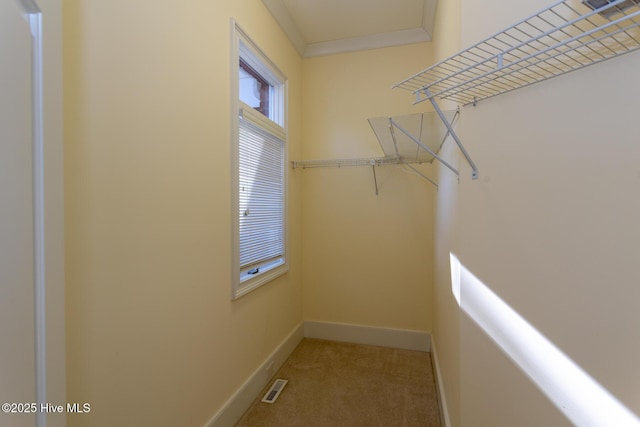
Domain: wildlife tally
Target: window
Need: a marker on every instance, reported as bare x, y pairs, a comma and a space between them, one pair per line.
255, 91
259, 167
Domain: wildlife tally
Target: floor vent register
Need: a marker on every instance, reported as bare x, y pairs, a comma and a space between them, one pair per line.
274, 391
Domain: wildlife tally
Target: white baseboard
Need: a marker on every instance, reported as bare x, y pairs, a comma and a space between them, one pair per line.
384, 337
442, 400
237, 405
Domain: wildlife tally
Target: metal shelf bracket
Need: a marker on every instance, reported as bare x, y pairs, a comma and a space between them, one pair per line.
436, 107
375, 179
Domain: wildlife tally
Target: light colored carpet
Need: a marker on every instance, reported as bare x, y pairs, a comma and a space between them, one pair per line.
339, 384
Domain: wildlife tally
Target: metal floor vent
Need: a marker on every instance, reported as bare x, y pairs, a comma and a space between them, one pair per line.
274, 391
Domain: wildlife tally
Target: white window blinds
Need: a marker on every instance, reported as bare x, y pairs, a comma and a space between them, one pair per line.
261, 190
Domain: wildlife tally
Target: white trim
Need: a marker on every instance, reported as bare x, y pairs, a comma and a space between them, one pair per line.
395, 38
282, 16
53, 204
262, 121
370, 335
34, 16
234, 85
374, 41
241, 45
442, 398
237, 405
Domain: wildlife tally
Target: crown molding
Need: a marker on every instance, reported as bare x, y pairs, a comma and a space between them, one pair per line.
396, 38
375, 41
282, 16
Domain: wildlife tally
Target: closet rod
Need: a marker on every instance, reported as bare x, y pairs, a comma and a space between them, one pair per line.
364, 161
372, 161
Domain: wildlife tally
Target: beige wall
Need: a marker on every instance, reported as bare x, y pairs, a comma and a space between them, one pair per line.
446, 339
153, 336
367, 259
550, 226
446, 333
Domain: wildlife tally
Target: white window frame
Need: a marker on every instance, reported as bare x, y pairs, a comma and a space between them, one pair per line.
243, 47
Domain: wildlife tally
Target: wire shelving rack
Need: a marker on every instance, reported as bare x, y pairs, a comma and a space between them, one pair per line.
407, 140
564, 37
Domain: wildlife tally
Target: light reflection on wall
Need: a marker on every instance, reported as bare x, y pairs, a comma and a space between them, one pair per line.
582, 400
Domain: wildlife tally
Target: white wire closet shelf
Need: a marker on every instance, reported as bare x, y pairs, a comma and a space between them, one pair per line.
405, 140
564, 37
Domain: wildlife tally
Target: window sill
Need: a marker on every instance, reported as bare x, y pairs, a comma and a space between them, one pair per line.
249, 282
